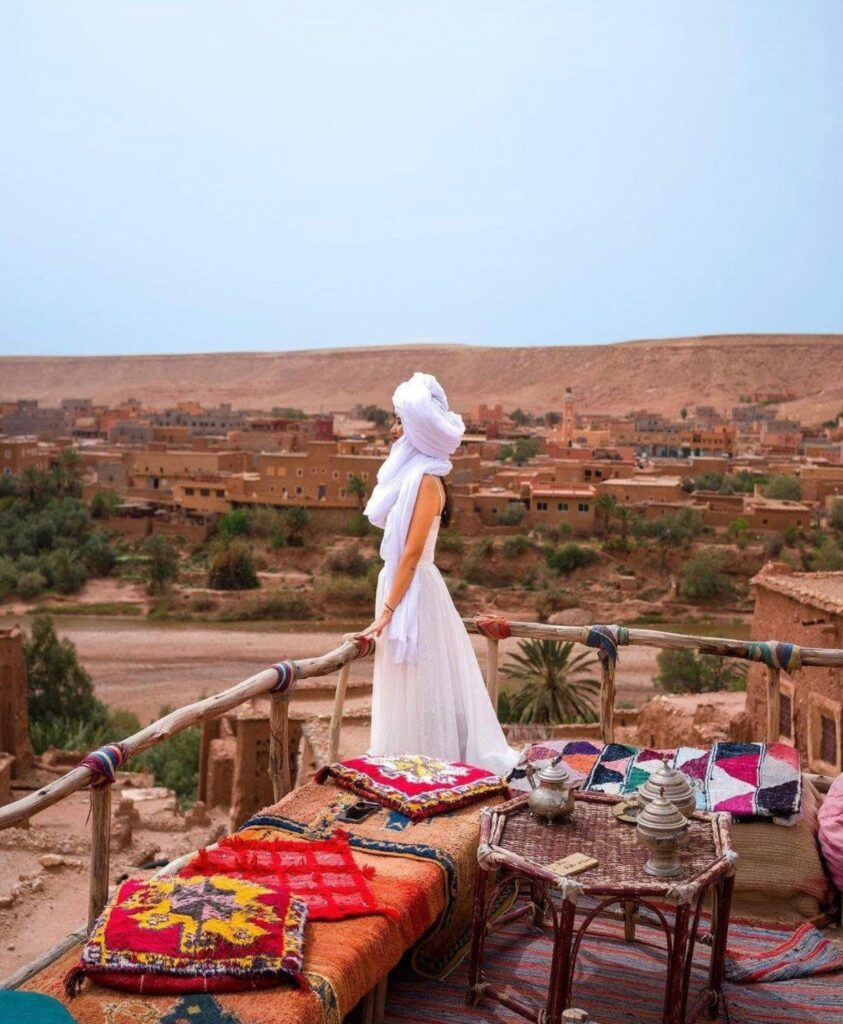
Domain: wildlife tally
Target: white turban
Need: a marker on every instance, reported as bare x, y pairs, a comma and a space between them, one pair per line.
431, 434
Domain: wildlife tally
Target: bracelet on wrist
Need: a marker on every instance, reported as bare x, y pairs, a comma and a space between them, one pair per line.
389, 607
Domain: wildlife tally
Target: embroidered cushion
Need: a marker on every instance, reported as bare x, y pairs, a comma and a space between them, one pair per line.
417, 786
203, 933
322, 873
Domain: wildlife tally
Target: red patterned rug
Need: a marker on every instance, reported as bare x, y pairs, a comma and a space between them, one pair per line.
616, 981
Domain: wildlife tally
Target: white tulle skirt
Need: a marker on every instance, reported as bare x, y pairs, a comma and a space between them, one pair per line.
437, 706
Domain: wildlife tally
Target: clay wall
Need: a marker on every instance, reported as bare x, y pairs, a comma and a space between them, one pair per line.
14, 720
812, 699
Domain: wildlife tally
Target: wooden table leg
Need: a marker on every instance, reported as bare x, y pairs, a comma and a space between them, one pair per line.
722, 909
380, 1000
630, 909
478, 937
559, 994
674, 995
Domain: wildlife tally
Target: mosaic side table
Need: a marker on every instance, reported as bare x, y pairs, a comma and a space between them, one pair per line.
514, 845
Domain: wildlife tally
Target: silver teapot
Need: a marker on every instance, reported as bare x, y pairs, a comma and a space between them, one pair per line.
552, 798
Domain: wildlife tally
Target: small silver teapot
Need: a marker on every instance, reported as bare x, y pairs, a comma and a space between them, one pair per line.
552, 798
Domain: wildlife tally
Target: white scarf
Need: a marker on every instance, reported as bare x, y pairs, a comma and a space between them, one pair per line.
431, 434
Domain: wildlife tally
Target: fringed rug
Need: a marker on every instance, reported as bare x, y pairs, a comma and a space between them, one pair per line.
616, 981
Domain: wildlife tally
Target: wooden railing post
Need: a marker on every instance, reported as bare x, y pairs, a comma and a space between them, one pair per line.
492, 671
774, 700
100, 850
336, 717
607, 701
279, 743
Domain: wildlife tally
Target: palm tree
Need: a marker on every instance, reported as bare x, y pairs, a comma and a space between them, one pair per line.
555, 687
356, 487
604, 509
68, 472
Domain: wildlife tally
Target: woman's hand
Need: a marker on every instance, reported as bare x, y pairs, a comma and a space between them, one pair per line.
379, 625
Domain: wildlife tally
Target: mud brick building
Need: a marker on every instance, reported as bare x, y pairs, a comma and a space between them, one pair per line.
805, 608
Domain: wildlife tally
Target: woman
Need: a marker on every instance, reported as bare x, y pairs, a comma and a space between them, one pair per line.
428, 695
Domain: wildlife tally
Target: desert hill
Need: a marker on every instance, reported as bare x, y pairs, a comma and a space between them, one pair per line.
659, 375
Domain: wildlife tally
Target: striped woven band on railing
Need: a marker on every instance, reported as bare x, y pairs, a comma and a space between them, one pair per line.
606, 639
365, 645
104, 763
286, 671
775, 654
492, 626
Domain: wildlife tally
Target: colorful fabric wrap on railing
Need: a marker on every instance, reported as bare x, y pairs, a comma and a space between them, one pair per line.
606, 639
775, 654
104, 763
365, 645
493, 627
287, 672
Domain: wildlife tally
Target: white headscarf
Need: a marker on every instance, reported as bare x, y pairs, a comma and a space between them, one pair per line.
431, 434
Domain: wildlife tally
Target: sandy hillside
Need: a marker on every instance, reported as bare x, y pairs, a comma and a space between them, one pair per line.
658, 375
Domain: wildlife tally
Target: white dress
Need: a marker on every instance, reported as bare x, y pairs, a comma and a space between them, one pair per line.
438, 706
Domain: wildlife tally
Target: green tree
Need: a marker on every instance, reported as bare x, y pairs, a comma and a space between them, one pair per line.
296, 526
67, 473
357, 489
162, 567
68, 571
738, 529
375, 414
31, 585
520, 418
512, 515
232, 566
783, 488
828, 557
702, 577
552, 419
835, 515
570, 556
57, 685
604, 513
104, 504
175, 762
686, 671
234, 523
554, 686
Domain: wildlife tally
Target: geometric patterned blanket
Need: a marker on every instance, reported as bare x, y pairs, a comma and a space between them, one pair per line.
749, 780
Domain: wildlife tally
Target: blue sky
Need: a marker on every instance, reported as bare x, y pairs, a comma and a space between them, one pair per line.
185, 176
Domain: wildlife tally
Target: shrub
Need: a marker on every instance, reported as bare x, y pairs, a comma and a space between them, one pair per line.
232, 567
234, 523
829, 558
104, 504
8, 577
358, 525
688, 672
773, 547
68, 572
347, 561
552, 599
276, 605
98, 554
346, 590
162, 564
174, 762
702, 577
674, 531
512, 515
835, 515
783, 488
30, 585
516, 547
570, 556
202, 603
297, 525
450, 540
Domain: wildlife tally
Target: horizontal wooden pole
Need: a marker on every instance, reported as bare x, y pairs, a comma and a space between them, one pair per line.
722, 646
177, 721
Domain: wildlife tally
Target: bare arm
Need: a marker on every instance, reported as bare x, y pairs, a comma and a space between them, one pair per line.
428, 506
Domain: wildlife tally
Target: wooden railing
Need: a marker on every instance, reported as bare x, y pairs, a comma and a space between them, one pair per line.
339, 660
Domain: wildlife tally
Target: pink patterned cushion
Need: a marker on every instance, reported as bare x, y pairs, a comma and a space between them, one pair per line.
831, 831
